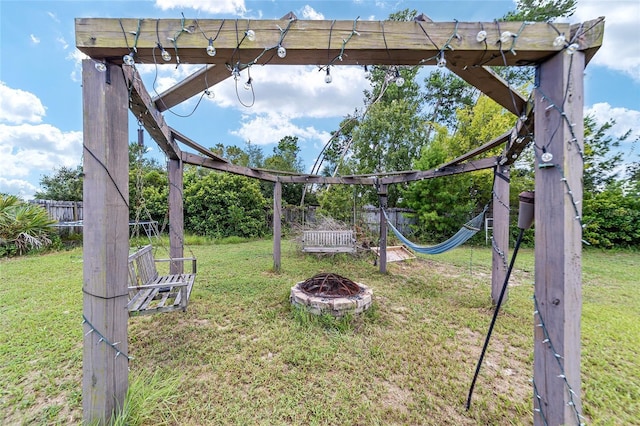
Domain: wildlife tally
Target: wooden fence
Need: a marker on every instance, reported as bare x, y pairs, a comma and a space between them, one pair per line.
62, 211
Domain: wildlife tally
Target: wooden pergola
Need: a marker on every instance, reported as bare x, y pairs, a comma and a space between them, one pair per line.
113, 88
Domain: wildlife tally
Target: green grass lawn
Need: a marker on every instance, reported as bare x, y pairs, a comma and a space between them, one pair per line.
242, 355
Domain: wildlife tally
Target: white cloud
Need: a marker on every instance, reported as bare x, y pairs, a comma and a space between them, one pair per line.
18, 106
62, 42
620, 49
269, 128
19, 187
76, 56
296, 91
626, 119
53, 16
236, 7
309, 13
34, 39
41, 147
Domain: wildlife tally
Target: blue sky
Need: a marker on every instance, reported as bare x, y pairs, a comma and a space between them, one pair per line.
41, 96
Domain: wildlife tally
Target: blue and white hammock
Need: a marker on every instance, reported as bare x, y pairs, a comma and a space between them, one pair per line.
467, 231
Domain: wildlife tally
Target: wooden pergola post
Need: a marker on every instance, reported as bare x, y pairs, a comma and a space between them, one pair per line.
382, 197
559, 141
105, 241
277, 224
176, 215
500, 234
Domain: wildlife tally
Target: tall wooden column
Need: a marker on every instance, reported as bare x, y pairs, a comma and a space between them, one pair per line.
382, 197
105, 240
176, 215
500, 234
558, 234
277, 224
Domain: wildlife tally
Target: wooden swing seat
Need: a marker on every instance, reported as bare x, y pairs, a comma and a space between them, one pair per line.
151, 293
341, 241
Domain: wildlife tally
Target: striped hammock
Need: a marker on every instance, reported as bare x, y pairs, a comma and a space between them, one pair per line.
467, 231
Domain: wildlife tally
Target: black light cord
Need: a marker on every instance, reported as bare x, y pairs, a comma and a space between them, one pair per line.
495, 316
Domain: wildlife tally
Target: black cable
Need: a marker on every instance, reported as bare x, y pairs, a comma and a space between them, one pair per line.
495, 316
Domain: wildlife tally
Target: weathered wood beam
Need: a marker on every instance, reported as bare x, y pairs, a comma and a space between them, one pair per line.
307, 41
105, 241
328, 180
222, 166
504, 138
277, 226
589, 36
481, 164
500, 232
194, 145
492, 85
190, 86
558, 241
521, 136
145, 110
175, 174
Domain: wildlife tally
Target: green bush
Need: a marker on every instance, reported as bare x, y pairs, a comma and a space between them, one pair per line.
221, 205
612, 219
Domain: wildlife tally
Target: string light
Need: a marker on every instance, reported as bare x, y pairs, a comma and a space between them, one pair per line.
166, 56
481, 36
102, 339
506, 36
248, 84
572, 48
251, 35
100, 66
211, 50
442, 62
282, 52
327, 78
209, 94
399, 80
559, 41
128, 59
546, 156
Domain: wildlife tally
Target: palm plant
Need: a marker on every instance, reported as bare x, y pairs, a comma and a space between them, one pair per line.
23, 226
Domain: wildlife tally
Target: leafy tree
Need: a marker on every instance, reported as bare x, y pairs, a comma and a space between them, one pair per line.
148, 186
221, 205
444, 95
612, 218
601, 163
336, 201
65, 184
23, 226
232, 153
541, 10
286, 158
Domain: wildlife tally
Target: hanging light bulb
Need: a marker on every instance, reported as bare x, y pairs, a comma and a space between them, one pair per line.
546, 157
211, 50
251, 35
101, 66
442, 62
367, 72
327, 78
209, 94
505, 37
128, 59
481, 36
247, 85
166, 56
559, 41
398, 79
282, 52
572, 48
235, 73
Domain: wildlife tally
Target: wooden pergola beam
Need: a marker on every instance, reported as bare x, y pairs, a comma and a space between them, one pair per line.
202, 79
196, 146
481, 164
318, 42
145, 110
504, 138
223, 166
492, 85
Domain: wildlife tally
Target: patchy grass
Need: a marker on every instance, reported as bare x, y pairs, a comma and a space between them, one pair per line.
242, 355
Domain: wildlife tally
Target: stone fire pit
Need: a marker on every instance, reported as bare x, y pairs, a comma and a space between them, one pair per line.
332, 294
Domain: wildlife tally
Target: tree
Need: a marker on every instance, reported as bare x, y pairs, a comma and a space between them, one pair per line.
65, 184
541, 10
286, 158
601, 164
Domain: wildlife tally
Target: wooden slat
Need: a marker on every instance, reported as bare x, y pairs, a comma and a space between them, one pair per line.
202, 79
196, 160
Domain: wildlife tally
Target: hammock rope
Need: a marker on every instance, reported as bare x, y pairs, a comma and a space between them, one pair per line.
467, 231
